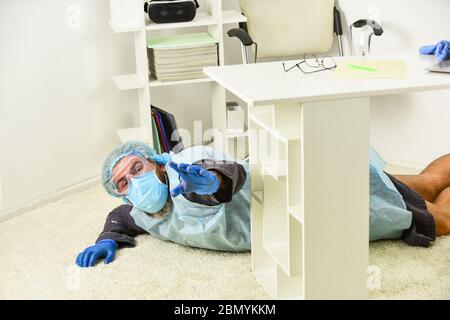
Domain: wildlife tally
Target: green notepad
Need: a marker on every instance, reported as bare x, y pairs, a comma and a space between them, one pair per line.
370, 69
190, 40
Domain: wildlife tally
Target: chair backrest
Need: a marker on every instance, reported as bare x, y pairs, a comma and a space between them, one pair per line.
284, 28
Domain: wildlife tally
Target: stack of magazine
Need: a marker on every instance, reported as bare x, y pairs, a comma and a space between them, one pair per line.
165, 132
181, 57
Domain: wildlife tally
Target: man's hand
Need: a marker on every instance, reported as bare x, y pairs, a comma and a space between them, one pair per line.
103, 249
161, 159
194, 179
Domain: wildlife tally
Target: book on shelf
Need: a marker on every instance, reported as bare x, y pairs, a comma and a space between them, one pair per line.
187, 64
165, 131
181, 76
183, 52
181, 57
161, 133
156, 141
170, 69
179, 41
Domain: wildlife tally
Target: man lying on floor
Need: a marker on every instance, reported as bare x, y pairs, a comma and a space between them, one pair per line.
209, 203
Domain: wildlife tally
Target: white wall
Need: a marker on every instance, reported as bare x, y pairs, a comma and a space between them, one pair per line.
59, 108
408, 129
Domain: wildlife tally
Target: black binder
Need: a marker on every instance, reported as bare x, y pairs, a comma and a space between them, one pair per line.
170, 130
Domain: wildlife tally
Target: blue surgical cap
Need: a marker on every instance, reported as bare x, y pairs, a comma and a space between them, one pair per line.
120, 152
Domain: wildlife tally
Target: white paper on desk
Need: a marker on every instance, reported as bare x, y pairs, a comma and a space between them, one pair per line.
370, 69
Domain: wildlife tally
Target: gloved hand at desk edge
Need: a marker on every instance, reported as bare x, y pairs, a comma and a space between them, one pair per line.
194, 179
105, 248
441, 50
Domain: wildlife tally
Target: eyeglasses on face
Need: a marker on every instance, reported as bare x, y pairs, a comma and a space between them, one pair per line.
128, 168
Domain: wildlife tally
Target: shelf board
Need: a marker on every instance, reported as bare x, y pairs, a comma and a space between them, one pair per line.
129, 134
297, 213
201, 19
258, 196
126, 28
129, 82
268, 279
292, 290
157, 83
273, 170
264, 119
232, 135
279, 251
232, 16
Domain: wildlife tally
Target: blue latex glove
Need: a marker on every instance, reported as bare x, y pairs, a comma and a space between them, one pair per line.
103, 249
428, 49
194, 179
161, 159
441, 50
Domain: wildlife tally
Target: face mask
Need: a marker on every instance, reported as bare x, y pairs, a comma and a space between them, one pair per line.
147, 193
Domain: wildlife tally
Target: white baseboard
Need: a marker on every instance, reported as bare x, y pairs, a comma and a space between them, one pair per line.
58, 195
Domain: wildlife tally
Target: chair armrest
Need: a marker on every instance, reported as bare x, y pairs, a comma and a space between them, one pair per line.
337, 22
242, 35
376, 27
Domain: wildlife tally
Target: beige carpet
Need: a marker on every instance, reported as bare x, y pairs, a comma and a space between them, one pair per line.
38, 250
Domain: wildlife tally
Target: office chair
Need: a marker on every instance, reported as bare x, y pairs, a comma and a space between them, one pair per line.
284, 28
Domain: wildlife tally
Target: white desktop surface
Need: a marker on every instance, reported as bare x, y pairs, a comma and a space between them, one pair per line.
267, 83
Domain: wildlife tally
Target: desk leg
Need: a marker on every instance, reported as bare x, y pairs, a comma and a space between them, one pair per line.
219, 117
335, 148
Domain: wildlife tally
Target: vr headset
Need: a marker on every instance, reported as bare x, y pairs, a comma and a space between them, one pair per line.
167, 11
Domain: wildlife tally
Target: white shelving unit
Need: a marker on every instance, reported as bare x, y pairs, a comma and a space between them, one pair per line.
129, 82
277, 211
201, 19
128, 16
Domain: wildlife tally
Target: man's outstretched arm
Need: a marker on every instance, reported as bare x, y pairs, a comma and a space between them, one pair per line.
232, 177
120, 227
119, 231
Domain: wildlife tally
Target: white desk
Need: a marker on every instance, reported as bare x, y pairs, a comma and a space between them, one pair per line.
310, 189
